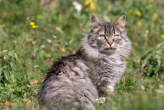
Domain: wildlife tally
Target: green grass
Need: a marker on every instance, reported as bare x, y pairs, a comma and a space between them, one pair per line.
26, 53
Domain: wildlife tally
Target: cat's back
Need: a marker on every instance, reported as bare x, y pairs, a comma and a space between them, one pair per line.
62, 65
67, 81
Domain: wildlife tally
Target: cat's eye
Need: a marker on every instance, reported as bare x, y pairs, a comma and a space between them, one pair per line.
101, 37
116, 36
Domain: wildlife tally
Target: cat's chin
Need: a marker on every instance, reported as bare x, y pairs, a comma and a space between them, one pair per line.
109, 51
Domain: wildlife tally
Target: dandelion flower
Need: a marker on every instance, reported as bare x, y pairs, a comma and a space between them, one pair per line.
155, 16
151, 1
92, 6
32, 23
34, 26
139, 14
63, 49
162, 36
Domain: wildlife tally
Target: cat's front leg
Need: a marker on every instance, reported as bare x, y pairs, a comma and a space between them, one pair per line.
104, 87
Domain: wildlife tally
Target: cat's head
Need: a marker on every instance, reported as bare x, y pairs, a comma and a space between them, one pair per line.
106, 36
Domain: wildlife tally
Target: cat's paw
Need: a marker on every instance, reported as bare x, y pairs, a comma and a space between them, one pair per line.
100, 100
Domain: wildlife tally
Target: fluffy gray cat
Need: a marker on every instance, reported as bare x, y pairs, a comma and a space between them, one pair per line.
79, 79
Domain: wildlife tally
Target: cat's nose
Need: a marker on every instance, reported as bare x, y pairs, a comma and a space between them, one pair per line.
110, 42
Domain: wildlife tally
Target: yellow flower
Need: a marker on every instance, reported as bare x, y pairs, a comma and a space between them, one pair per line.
130, 12
155, 16
162, 36
92, 6
32, 23
87, 2
139, 24
139, 14
34, 26
150, 6
63, 49
151, 1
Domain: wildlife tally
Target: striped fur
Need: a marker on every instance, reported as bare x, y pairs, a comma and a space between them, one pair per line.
79, 79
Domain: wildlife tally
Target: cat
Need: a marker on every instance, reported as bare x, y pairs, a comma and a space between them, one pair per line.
79, 79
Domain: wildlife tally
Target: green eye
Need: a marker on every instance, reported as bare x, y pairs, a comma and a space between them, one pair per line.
116, 36
101, 37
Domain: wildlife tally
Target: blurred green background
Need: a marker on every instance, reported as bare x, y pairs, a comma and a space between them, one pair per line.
34, 33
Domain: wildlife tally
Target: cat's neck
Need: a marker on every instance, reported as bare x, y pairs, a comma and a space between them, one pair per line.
90, 53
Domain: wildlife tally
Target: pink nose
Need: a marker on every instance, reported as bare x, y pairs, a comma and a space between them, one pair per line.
110, 42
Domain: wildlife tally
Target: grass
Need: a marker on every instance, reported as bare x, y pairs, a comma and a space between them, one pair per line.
32, 37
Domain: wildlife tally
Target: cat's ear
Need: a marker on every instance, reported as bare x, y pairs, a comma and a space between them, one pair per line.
94, 20
121, 22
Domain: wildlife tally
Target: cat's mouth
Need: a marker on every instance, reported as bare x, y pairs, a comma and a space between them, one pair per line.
109, 50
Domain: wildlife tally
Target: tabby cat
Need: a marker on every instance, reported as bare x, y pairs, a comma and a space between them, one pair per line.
79, 79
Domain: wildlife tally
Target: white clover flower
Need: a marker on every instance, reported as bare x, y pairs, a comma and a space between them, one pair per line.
77, 6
